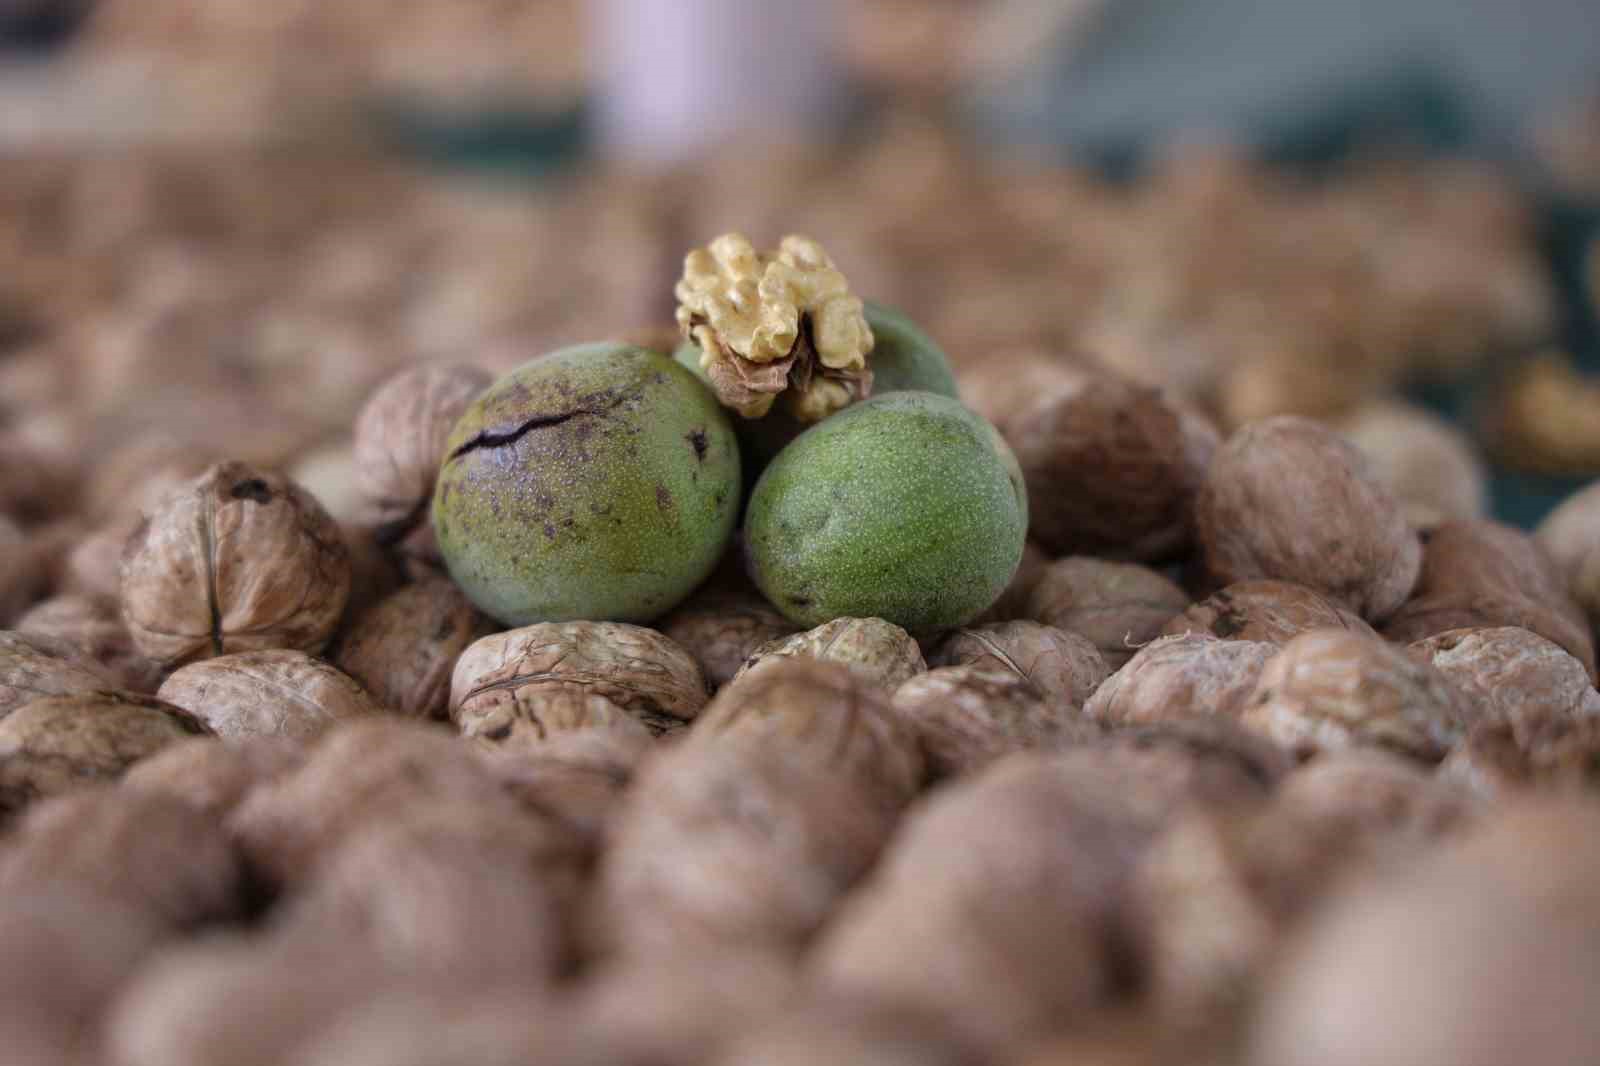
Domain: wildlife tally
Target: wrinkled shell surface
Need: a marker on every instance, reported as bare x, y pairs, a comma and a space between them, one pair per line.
1514, 676
1498, 760
95, 630
881, 652
1339, 531
404, 648
722, 631
1272, 611
33, 666
59, 743
239, 560
266, 694
506, 678
213, 775
399, 444
1183, 676
970, 715
1063, 667
1331, 689
1120, 607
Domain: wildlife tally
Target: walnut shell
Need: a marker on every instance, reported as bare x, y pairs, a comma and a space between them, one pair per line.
266, 694
1063, 667
1120, 607
1111, 466
1013, 602
509, 679
404, 648
32, 666
969, 715
1483, 574
881, 652
213, 775
57, 743
240, 560
1190, 675
1340, 533
1571, 536
94, 629
399, 443
733, 844
1331, 689
16, 575
1512, 675
1428, 464
1272, 611
722, 630
1497, 760
146, 850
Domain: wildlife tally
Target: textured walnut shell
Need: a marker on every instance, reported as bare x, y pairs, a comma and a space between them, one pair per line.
1339, 531
1120, 607
1186, 676
95, 631
145, 850
399, 442
1429, 465
404, 648
240, 560
1272, 611
1571, 536
371, 769
1497, 760
213, 775
1512, 675
732, 843
1483, 574
969, 715
1331, 689
722, 630
508, 678
1061, 666
266, 694
1109, 469
881, 652
58, 743
528, 724
820, 713
32, 666
574, 780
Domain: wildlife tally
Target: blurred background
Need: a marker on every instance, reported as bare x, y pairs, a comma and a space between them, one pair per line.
223, 221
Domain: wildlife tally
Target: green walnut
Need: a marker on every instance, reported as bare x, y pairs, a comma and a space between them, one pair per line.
906, 507
599, 482
903, 359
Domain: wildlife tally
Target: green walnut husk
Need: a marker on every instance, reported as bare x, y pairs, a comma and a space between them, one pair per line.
903, 359
599, 482
906, 507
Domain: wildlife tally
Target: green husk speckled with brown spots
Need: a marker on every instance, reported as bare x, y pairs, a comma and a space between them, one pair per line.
907, 507
598, 482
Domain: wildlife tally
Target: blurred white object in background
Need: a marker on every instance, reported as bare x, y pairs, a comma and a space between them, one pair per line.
678, 76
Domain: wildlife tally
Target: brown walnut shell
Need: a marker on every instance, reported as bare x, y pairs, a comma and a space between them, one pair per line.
94, 629
879, 651
1272, 611
404, 648
33, 666
266, 694
1120, 607
1185, 676
1063, 667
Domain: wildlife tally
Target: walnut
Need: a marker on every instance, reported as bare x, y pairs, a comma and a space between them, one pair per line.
146, 850
240, 560
1061, 666
881, 652
1341, 533
57, 743
1184, 676
407, 1025
1013, 602
32, 666
733, 843
94, 630
772, 323
1414, 968
399, 443
1429, 465
820, 713
1272, 611
967, 716
1498, 759
16, 576
93, 565
505, 685
1120, 607
722, 630
213, 775
276, 693
1512, 675
403, 648
1331, 689
574, 780
1111, 467
1570, 535
1479, 574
